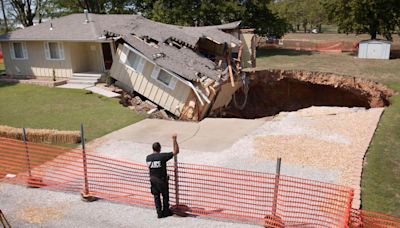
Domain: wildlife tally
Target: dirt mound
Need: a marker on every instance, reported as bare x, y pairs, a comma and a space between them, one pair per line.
273, 91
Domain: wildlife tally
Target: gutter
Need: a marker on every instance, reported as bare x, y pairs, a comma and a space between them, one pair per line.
198, 93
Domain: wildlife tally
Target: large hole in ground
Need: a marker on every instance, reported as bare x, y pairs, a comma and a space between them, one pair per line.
271, 92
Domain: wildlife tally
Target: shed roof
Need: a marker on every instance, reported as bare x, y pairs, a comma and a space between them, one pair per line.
375, 41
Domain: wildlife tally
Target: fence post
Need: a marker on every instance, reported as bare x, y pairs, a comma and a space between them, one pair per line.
85, 193
28, 160
176, 180
277, 176
274, 220
4, 221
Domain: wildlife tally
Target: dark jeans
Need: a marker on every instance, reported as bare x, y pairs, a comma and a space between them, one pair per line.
159, 186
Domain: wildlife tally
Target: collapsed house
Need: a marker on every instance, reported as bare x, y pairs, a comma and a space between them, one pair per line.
188, 71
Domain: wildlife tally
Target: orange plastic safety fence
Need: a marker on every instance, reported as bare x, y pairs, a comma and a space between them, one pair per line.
248, 196
230, 194
306, 45
366, 219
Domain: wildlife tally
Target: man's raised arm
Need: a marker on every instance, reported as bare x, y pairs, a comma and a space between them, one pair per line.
176, 146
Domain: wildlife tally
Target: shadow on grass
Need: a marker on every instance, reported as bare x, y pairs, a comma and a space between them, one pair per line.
7, 84
267, 52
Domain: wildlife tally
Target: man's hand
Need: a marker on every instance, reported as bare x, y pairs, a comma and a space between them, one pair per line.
176, 147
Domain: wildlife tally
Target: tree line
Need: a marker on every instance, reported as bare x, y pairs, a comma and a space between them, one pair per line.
268, 17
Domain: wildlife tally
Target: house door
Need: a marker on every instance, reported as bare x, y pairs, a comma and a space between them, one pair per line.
107, 55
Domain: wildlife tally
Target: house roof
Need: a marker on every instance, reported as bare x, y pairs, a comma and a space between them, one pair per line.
74, 28
71, 27
133, 29
183, 61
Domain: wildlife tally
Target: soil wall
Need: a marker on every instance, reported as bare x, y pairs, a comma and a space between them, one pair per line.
273, 91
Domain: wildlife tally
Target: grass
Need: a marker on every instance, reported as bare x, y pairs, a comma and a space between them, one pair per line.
33, 106
385, 71
381, 173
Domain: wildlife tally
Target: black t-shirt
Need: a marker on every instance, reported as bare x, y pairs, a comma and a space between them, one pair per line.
157, 163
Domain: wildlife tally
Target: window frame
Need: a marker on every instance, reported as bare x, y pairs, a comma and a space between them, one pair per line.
156, 73
156, 69
124, 59
47, 50
24, 50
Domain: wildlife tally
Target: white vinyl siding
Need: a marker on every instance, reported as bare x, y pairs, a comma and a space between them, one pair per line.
137, 62
18, 50
146, 83
54, 50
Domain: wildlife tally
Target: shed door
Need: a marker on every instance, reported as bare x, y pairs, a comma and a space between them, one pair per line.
374, 51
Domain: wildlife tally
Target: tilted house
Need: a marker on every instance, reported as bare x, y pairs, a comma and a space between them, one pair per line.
188, 71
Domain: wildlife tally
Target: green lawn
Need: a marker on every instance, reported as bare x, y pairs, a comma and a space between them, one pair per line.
23, 105
381, 174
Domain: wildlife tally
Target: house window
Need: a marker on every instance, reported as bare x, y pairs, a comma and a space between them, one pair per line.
164, 77
54, 51
133, 60
18, 50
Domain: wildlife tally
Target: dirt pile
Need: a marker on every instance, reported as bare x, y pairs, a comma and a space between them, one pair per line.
273, 91
142, 105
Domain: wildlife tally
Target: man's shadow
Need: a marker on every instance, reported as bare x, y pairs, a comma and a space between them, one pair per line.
185, 211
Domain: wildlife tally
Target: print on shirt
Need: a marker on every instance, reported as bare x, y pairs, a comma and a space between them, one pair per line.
154, 164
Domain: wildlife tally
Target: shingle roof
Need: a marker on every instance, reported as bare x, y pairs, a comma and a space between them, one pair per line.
74, 28
183, 62
131, 28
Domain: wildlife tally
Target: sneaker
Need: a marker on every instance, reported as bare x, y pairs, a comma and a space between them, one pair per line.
160, 214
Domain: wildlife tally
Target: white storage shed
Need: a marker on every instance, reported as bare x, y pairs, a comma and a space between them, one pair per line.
374, 49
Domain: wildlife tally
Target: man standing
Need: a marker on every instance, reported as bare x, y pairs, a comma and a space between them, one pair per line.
157, 163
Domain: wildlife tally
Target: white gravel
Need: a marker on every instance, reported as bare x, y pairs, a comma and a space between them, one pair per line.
320, 143
25, 207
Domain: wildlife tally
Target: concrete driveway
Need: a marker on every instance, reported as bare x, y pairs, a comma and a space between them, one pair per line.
211, 134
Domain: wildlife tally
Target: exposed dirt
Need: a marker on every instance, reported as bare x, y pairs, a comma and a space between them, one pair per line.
38, 215
273, 91
139, 103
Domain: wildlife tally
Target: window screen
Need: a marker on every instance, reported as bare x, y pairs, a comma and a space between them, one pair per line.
54, 50
164, 77
18, 50
133, 60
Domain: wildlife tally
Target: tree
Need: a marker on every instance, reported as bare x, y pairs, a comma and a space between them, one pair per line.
300, 13
25, 10
196, 12
365, 16
257, 15
253, 13
4, 15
